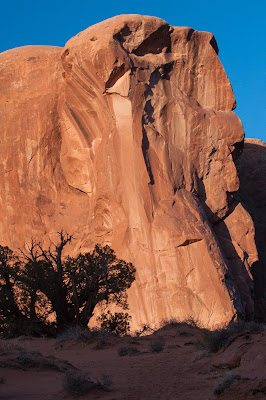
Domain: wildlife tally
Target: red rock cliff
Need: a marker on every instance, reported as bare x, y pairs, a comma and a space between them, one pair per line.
127, 137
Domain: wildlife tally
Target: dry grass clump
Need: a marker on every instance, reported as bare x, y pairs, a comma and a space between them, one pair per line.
215, 340
77, 384
7, 346
228, 381
80, 334
156, 346
175, 323
32, 359
24, 338
183, 327
127, 351
133, 340
101, 344
145, 330
260, 388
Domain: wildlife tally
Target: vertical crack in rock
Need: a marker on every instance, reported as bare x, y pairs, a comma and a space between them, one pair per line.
145, 147
137, 101
160, 73
148, 119
193, 74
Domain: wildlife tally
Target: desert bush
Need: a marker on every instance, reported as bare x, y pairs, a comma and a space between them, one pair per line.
184, 333
105, 382
182, 326
77, 384
157, 346
260, 388
245, 328
18, 300
173, 346
226, 383
192, 322
215, 340
127, 351
169, 323
6, 346
101, 343
24, 338
27, 359
78, 334
117, 323
145, 330
30, 359
133, 340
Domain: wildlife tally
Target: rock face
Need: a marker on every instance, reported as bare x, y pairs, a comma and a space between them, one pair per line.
251, 167
127, 137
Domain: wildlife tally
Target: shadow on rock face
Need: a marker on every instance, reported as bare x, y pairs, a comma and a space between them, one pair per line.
239, 254
251, 167
132, 138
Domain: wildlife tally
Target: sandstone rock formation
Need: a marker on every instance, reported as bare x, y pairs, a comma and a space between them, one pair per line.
251, 167
127, 137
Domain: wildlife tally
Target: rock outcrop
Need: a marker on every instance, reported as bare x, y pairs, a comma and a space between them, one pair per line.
127, 137
251, 167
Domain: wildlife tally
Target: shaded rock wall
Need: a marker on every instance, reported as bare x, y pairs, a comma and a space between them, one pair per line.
127, 137
251, 167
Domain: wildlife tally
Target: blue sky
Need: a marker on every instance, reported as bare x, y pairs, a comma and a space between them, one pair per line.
238, 27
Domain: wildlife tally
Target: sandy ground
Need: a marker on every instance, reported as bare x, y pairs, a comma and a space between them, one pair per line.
34, 369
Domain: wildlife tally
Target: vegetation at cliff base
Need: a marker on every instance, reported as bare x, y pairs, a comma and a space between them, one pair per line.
43, 292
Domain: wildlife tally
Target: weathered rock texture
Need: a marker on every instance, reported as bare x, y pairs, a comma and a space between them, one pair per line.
127, 137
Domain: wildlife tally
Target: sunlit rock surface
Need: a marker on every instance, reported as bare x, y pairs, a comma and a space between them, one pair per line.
127, 137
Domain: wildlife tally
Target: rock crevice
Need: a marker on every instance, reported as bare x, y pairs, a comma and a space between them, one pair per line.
132, 142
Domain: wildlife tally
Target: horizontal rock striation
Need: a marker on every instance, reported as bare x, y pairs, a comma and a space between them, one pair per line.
127, 137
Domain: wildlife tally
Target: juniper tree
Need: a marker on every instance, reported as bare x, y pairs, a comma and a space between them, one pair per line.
67, 287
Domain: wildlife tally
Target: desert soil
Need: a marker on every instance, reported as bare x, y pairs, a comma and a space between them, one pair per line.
34, 368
